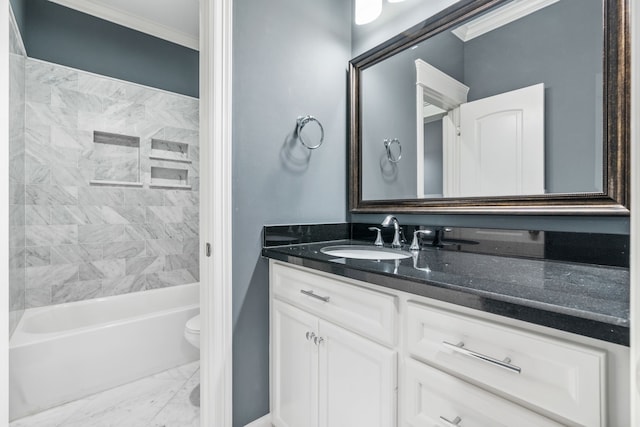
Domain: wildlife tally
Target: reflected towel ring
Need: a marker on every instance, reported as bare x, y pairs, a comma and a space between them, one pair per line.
387, 146
301, 123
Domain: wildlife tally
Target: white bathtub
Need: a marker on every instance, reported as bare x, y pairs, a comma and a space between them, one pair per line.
64, 352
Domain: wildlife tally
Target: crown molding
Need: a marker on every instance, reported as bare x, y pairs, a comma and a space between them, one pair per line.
135, 22
499, 17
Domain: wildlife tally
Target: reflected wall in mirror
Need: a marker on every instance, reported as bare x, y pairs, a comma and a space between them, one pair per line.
509, 105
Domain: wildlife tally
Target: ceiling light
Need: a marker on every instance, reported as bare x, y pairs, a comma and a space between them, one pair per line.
367, 11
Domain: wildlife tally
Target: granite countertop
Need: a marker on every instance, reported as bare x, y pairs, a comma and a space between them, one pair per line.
586, 299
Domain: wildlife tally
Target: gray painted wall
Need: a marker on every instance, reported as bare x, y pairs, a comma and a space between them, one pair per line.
433, 157
395, 17
18, 8
389, 111
518, 55
65, 36
367, 38
290, 59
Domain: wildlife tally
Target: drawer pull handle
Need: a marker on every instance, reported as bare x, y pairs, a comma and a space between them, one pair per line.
311, 294
455, 423
505, 364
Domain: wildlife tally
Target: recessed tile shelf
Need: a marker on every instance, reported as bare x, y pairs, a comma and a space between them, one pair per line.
169, 178
117, 159
172, 151
116, 183
176, 186
153, 157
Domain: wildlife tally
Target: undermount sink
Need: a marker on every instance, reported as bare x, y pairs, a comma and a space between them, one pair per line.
365, 252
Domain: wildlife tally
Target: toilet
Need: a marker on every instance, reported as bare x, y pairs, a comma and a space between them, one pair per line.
192, 331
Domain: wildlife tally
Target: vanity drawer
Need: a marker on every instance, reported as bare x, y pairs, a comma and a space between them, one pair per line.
433, 398
555, 376
370, 313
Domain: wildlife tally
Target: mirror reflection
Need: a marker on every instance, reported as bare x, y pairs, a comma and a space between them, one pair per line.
508, 103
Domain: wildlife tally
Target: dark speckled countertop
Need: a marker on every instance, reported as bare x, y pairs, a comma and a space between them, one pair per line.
586, 299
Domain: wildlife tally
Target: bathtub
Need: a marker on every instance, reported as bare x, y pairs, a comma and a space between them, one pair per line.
64, 352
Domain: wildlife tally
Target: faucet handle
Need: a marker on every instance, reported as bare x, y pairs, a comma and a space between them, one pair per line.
379, 241
415, 244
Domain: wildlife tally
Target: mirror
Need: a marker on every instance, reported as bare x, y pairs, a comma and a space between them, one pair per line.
495, 106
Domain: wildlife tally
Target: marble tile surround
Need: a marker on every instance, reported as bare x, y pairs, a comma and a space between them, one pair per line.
17, 58
161, 400
80, 240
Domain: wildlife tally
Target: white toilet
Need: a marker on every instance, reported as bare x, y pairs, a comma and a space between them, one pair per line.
192, 331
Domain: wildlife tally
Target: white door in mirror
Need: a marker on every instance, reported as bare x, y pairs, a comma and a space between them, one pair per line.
499, 148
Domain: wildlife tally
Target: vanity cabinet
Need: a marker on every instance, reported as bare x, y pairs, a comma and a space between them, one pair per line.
322, 373
349, 353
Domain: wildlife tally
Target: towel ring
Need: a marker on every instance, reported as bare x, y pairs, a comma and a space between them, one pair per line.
387, 146
301, 123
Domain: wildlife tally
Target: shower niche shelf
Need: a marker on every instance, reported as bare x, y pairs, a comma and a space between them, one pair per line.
172, 151
117, 160
162, 177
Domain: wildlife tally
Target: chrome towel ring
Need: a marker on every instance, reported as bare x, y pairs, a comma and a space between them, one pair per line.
387, 145
301, 123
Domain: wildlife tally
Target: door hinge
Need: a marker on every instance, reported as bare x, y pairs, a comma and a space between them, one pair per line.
207, 249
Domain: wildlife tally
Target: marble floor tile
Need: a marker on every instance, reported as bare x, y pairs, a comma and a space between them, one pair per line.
182, 414
161, 400
54, 417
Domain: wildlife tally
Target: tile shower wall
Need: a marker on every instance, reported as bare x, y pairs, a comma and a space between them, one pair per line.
86, 237
17, 57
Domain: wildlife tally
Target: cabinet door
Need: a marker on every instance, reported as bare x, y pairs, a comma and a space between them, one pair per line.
357, 380
294, 367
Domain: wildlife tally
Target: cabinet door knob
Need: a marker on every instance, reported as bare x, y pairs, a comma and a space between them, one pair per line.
454, 423
310, 335
318, 340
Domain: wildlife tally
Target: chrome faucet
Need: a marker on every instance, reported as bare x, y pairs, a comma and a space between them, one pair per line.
415, 243
439, 236
391, 220
379, 241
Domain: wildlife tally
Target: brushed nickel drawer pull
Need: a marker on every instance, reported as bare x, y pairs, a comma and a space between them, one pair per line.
505, 364
455, 423
311, 294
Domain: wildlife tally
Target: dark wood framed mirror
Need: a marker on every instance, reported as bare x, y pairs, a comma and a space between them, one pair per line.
438, 121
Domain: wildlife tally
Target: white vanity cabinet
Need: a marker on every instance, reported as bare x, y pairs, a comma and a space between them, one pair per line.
349, 353
322, 372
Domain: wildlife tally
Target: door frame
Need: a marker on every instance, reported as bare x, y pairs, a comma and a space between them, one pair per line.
634, 181
216, 18
4, 214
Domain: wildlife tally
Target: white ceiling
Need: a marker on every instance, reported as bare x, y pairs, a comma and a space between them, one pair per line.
174, 20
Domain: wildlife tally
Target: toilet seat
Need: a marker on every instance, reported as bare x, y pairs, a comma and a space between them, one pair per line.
192, 331
193, 324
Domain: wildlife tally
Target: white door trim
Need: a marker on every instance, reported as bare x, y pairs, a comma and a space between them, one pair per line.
4, 214
216, 212
261, 422
444, 92
634, 181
